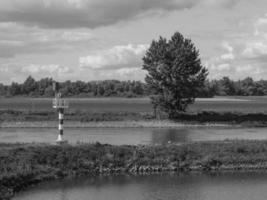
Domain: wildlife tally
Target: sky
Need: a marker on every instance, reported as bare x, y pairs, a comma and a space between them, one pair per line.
106, 39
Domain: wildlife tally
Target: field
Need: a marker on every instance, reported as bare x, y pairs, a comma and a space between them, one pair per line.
100, 105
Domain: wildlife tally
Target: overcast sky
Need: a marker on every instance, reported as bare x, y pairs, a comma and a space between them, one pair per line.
106, 39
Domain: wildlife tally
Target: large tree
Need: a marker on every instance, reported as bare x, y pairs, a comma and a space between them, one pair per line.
175, 74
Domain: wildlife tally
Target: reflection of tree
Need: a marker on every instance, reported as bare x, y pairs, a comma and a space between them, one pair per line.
63, 194
169, 136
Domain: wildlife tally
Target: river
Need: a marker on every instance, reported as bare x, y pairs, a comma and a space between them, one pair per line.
132, 136
191, 186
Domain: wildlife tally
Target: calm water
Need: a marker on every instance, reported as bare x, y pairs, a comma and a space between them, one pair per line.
232, 186
118, 136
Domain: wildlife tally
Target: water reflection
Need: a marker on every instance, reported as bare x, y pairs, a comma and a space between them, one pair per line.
132, 136
194, 186
170, 136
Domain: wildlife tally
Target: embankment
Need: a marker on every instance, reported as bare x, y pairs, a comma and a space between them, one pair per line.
22, 165
21, 119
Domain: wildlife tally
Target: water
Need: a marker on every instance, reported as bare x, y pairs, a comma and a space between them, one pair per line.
236, 186
132, 136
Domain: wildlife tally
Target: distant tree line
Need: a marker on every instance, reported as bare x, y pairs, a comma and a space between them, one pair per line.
115, 88
43, 88
227, 87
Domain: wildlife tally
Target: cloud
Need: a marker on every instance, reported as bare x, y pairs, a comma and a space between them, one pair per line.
88, 13
224, 3
255, 50
229, 55
18, 72
123, 62
17, 39
261, 21
243, 55
76, 36
224, 67
39, 71
222, 64
129, 73
115, 58
119, 74
256, 44
50, 69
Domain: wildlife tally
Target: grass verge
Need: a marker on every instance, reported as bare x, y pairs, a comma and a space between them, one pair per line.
22, 165
14, 118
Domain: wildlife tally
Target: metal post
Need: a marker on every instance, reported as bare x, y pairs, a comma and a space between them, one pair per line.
59, 104
60, 125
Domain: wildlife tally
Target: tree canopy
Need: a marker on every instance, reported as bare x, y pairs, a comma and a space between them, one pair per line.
43, 88
175, 74
115, 88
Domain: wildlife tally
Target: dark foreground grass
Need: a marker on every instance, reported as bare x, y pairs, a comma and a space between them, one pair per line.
22, 165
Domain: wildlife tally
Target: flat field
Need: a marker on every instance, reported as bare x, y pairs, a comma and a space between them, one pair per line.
99, 105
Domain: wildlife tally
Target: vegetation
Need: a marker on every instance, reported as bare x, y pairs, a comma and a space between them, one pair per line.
134, 105
79, 116
175, 74
255, 119
43, 88
22, 165
249, 109
228, 87
115, 88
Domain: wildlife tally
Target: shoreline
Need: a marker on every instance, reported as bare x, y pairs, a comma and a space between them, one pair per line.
34, 163
115, 124
78, 119
7, 193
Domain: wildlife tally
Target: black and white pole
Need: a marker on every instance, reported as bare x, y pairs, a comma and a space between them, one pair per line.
60, 125
59, 104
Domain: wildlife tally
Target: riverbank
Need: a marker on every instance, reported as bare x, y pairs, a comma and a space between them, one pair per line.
78, 119
112, 124
22, 165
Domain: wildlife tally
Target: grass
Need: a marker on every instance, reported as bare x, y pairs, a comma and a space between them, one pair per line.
226, 109
232, 117
12, 118
79, 104
100, 105
22, 165
76, 116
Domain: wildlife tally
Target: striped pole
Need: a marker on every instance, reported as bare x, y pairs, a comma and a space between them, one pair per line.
60, 125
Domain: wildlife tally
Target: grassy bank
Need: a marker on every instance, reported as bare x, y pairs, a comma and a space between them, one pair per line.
225, 117
114, 124
81, 116
15, 118
22, 165
105, 105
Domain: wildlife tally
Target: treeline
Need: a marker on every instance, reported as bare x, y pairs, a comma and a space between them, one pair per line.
228, 87
44, 88
114, 88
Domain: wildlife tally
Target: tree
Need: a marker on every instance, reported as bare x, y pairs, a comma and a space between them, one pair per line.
175, 74
29, 85
228, 86
249, 86
43, 84
49, 92
14, 89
